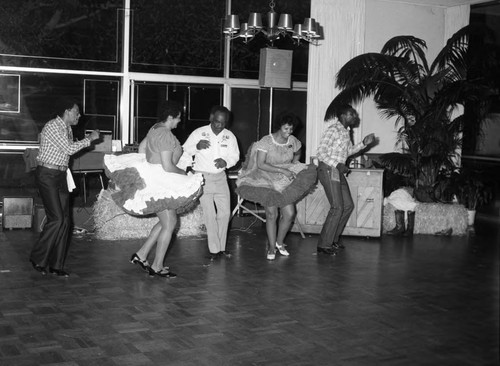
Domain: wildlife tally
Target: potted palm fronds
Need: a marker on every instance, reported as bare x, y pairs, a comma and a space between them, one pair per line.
423, 97
471, 189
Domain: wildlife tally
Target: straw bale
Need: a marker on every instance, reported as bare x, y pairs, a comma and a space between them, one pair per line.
432, 218
112, 223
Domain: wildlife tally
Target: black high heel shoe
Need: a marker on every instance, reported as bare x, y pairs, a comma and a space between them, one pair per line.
164, 272
136, 260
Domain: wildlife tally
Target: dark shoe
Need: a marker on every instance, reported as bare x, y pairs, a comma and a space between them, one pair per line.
38, 268
164, 272
58, 272
337, 246
212, 256
136, 260
329, 251
225, 253
445, 232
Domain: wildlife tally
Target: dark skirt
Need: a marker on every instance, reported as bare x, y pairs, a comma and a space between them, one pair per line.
301, 186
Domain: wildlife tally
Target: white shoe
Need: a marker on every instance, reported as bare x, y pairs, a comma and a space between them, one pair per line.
271, 256
282, 249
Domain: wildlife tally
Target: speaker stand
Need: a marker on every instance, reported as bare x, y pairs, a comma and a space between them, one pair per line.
271, 110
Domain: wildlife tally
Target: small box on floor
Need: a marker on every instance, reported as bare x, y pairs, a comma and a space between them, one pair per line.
17, 212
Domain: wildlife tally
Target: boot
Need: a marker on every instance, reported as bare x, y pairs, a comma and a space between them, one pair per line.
410, 224
400, 223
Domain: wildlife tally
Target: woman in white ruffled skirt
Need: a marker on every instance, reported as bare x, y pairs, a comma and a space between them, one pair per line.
150, 182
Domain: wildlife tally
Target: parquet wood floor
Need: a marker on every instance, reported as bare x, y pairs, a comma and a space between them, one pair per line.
389, 301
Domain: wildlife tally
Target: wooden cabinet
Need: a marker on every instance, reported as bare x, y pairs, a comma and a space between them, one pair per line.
365, 220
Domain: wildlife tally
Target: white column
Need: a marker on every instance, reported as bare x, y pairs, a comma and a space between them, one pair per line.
343, 27
125, 117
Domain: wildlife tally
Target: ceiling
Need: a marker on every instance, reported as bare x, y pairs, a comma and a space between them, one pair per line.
443, 3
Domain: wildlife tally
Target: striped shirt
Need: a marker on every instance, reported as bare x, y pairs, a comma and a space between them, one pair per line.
56, 143
335, 145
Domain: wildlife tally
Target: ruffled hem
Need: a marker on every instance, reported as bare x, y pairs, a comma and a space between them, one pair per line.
180, 204
140, 188
302, 185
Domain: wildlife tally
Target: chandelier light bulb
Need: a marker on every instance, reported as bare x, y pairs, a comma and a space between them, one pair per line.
255, 21
285, 22
309, 26
231, 24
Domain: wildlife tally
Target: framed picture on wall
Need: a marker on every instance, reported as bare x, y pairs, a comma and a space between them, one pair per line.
10, 96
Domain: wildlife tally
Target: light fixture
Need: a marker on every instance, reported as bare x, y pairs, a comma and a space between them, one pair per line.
309, 31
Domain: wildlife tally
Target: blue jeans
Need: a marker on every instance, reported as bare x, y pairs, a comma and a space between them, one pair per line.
341, 204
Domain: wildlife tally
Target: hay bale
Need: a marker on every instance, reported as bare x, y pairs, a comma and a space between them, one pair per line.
112, 223
432, 218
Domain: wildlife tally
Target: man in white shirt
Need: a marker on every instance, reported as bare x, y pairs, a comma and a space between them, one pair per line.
215, 149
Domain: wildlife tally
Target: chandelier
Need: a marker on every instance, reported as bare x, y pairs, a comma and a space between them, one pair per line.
309, 31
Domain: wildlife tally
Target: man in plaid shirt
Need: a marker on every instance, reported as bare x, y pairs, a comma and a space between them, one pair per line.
56, 147
334, 148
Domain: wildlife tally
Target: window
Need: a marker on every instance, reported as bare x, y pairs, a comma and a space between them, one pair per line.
75, 48
9, 93
251, 112
100, 105
178, 37
196, 99
61, 34
37, 93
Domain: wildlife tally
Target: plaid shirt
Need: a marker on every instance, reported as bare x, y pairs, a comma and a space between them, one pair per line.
335, 145
57, 145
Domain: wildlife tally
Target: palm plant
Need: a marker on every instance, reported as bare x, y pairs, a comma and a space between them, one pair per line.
470, 187
422, 97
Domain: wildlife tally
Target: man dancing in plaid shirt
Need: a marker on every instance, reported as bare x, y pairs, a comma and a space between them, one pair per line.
334, 148
56, 146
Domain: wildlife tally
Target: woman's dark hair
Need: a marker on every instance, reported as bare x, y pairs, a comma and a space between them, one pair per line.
286, 119
169, 108
62, 104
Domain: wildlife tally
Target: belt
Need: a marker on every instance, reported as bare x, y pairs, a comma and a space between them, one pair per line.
207, 173
62, 168
322, 162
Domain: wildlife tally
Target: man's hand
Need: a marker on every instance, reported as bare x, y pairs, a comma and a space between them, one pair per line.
343, 169
94, 135
369, 139
219, 162
203, 144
